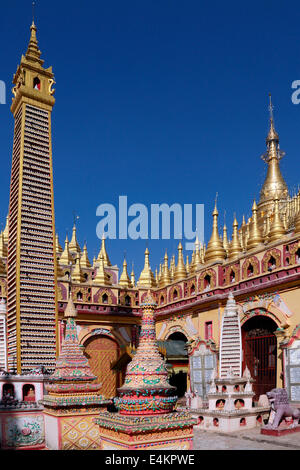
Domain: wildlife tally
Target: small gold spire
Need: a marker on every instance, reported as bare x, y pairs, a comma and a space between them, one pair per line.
3, 247
73, 245
125, 279
33, 53
180, 271
165, 276
255, 235
77, 275
197, 259
66, 257
235, 247
187, 264
84, 260
225, 239
192, 265
277, 230
215, 249
146, 278
104, 253
58, 248
132, 277
172, 267
5, 231
101, 277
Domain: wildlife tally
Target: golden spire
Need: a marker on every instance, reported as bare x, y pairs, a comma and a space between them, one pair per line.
73, 245
3, 247
255, 235
58, 248
104, 253
146, 278
125, 279
66, 257
180, 271
132, 277
225, 239
172, 267
165, 276
274, 182
277, 230
197, 259
84, 260
101, 276
187, 264
77, 275
215, 249
192, 265
33, 53
5, 231
235, 247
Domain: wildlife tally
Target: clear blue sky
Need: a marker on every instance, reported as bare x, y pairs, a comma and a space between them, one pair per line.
162, 101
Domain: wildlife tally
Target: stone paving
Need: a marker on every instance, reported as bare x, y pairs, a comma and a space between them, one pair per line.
245, 440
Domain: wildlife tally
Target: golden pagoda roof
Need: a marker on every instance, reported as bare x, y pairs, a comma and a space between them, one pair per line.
84, 260
125, 280
146, 278
215, 250
180, 270
66, 257
165, 278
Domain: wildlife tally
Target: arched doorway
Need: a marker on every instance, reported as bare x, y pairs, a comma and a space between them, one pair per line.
260, 352
101, 351
177, 356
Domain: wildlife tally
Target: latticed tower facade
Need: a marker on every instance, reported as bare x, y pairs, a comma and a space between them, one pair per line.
31, 274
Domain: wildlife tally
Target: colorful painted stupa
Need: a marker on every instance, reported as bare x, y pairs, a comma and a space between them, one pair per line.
146, 402
73, 398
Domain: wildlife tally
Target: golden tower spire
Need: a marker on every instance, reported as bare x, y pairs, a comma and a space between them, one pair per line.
101, 276
215, 249
255, 235
66, 257
3, 246
277, 230
125, 279
274, 182
165, 276
57, 245
5, 231
180, 271
146, 278
77, 274
84, 260
235, 247
132, 277
197, 259
73, 245
225, 239
187, 264
104, 253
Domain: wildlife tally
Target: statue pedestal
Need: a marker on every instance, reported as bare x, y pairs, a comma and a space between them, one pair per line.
170, 431
281, 431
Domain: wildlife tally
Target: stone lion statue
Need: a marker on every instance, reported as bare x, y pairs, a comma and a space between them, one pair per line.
280, 408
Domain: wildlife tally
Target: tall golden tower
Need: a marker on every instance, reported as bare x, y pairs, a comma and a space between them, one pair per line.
31, 275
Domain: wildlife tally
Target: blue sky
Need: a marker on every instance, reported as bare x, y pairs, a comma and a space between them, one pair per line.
162, 101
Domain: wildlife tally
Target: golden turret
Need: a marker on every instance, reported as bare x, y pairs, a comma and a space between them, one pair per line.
58, 248
274, 182
3, 246
165, 275
235, 248
84, 260
104, 253
255, 235
101, 276
180, 271
5, 231
277, 230
215, 250
146, 278
125, 279
77, 274
74, 245
66, 257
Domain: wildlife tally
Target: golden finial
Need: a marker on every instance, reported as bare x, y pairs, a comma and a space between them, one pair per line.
180, 271
235, 247
274, 181
84, 260
277, 230
104, 253
125, 279
77, 275
215, 249
146, 277
66, 257
255, 235
165, 276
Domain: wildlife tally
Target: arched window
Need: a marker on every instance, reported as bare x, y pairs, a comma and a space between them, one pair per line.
175, 294
271, 263
127, 300
162, 300
36, 83
8, 392
192, 289
297, 258
86, 276
79, 296
232, 276
104, 298
207, 280
250, 270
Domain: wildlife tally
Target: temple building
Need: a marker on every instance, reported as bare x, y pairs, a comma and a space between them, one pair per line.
259, 263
